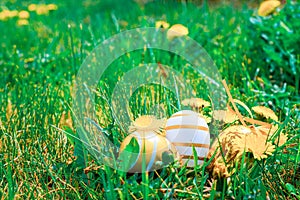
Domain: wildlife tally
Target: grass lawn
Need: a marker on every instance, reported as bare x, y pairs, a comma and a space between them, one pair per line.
43, 47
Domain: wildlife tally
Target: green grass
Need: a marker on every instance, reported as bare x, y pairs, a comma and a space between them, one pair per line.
258, 57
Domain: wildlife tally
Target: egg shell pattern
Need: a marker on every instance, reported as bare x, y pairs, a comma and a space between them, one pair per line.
186, 129
151, 147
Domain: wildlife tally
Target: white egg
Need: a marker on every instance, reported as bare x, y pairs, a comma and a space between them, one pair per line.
187, 129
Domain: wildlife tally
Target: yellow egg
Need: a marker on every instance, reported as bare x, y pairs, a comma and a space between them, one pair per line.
151, 148
187, 129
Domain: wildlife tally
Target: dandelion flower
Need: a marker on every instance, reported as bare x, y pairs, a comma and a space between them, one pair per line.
22, 22
195, 103
257, 144
13, 13
237, 129
66, 120
220, 170
147, 123
228, 116
32, 7
177, 30
232, 144
281, 140
162, 24
267, 130
42, 10
265, 112
228, 135
206, 118
5, 14
267, 7
2, 16
52, 6
24, 14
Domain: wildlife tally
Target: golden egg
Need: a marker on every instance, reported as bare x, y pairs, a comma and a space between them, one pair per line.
186, 130
152, 146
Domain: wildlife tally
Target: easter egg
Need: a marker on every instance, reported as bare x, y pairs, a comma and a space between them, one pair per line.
152, 146
187, 129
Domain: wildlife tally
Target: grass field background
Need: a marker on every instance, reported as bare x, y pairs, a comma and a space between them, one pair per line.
259, 57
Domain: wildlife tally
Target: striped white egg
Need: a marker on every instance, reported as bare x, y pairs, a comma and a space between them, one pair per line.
186, 129
151, 148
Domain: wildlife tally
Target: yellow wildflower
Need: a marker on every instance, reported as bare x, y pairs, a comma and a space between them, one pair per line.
147, 123
257, 144
265, 112
177, 30
2, 17
232, 143
162, 24
5, 14
52, 6
13, 13
266, 130
22, 22
32, 7
267, 7
66, 120
281, 140
195, 103
42, 10
28, 60
228, 116
24, 14
220, 169
237, 129
206, 118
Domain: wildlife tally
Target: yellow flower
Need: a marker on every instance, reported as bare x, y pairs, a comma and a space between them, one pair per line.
281, 140
265, 112
228, 116
230, 146
220, 170
42, 10
28, 60
2, 16
177, 30
22, 22
267, 130
162, 24
66, 120
206, 118
257, 144
229, 134
13, 13
5, 14
267, 7
24, 14
237, 129
147, 123
52, 6
32, 7
235, 140
195, 103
